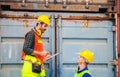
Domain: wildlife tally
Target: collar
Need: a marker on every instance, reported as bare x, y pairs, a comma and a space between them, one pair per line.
37, 32
86, 68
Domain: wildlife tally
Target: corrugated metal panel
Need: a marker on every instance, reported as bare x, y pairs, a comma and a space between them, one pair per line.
11, 70
75, 30
12, 31
77, 35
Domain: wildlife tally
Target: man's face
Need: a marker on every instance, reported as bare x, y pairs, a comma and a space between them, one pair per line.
81, 60
43, 27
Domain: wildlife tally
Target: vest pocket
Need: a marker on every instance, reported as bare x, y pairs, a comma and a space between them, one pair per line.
36, 68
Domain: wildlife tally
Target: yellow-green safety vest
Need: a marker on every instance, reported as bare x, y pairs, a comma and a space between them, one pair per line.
81, 73
27, 67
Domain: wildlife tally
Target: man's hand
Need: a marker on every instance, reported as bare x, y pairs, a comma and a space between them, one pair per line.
42, 53
48, 57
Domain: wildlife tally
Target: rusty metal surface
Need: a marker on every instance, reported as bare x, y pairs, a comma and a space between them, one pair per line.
118, 73
10, 0
18, 15
118, 44
69, 17
59, 7
88, 18
68, 1
118, 35
26, 15
118, 6
12, 15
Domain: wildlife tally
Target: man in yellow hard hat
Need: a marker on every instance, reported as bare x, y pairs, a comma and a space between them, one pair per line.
33, 52
85, 57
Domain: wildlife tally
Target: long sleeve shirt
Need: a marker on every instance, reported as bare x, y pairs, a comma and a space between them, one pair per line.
28, 46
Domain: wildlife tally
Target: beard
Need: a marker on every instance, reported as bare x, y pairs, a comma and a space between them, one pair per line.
43, 30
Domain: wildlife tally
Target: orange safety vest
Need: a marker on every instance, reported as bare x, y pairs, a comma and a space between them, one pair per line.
38, 46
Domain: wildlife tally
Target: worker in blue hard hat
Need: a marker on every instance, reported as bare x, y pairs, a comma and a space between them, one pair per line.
85, 57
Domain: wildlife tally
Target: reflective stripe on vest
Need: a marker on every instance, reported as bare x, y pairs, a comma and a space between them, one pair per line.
82, 73
38, 46
31, 59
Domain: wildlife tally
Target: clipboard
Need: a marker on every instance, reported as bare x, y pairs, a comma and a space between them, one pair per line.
54, 55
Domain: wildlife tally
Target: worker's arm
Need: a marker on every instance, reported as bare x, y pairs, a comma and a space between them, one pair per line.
86, 75
28, 46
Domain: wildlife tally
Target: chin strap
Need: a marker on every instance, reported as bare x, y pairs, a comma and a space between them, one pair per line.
38, 32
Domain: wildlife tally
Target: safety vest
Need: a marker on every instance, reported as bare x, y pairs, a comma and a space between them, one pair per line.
27, 67
38, 46
82, 73
28, 59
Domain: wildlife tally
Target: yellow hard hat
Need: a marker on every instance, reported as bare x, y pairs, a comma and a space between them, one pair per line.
43, 18
87, 54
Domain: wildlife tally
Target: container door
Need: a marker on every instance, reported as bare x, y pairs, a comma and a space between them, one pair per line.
77, 35
13, 28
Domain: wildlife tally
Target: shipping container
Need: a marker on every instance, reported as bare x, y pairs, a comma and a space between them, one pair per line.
75, 26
